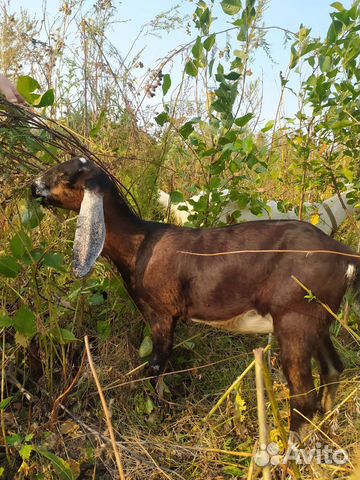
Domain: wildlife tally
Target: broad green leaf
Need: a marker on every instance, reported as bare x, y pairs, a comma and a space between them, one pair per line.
34, 256
5, 321
45, 100
24, 322
19, 244
311, 61
5, 403
162, 118
15, 439
325, 63
339, 6
55, 261
26, 451
166, 84
234, 472
312, 81
214, 183
148, 406
241, 121
31, 214
209, 42
197, 49
191, 69
25, 86
341, 124
176, 197
96, 299
146, 347
63, 335
61, 467
334, 30
248, 145
241, 54
205, 19
348, 174
219, 106
186, 129
231, 7
232, 76
8, 266
268, 126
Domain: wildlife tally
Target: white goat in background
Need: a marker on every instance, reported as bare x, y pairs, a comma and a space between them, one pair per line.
328, 215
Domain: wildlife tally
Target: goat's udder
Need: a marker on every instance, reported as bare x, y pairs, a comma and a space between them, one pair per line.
250, 322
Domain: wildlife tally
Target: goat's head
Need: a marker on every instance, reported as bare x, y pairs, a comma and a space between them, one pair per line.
65, 185
79, 185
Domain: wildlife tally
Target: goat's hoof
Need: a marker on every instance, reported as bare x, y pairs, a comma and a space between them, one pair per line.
327, 403
297, 438
294, 438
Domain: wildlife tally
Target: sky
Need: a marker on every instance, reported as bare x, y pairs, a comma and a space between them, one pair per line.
289, 14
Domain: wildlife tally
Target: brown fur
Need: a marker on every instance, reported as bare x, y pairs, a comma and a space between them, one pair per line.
167, 285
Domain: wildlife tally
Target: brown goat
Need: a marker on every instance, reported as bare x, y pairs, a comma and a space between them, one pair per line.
246, 293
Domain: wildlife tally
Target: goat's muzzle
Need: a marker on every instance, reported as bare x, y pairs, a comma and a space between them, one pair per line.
39, 189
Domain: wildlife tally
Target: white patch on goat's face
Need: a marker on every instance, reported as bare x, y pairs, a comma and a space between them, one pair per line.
40, 188
250, 322
83, 160
350, 272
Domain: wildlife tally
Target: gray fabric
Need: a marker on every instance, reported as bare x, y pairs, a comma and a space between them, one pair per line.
332, 218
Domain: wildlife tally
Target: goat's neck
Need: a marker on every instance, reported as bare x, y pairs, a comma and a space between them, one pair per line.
124, 235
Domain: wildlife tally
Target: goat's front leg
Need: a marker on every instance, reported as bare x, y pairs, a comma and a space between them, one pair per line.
162, 329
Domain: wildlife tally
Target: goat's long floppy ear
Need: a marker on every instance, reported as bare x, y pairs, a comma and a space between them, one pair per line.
90, 233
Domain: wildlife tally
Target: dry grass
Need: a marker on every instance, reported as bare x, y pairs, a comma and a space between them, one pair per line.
173, 441
169, 441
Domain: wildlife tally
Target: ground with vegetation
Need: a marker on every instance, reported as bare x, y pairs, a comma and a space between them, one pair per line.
203, 133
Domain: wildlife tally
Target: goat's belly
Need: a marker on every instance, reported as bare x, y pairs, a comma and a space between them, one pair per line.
250, 322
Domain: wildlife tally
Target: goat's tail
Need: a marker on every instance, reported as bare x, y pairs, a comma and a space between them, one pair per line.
355, 283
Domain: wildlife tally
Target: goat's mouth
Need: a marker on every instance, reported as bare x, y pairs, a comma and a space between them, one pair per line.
41, 194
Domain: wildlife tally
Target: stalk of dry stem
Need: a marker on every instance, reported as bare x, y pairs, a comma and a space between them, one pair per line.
276, 413
106, 411
263, 432
232, 387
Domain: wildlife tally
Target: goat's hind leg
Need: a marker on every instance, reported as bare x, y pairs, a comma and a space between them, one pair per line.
331, 368
296, 347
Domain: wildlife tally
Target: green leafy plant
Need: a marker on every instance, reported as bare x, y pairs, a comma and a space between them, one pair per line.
26, 86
